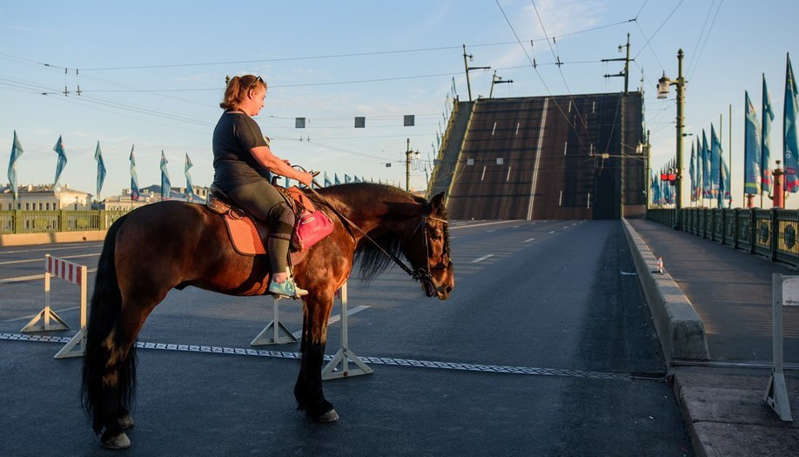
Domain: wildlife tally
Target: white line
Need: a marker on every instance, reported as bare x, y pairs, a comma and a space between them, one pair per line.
24, 318
336, 317
551, 232
480, 259
515, 226
40, 259
529, 240
482, 224
491, 231
77, 246
537, 159
32, 277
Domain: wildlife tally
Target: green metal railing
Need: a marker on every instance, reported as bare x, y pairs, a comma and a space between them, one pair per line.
22, 221
772, 233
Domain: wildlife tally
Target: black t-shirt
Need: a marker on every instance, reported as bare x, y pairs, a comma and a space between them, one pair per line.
235, 134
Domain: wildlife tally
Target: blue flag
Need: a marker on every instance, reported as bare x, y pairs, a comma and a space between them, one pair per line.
16, 152
335, 179
692, 172
98, 156
166, 185
189, 187
706, 167
699, 165
327, 181
134, 178
726, 183
62, 160
346, 178
765, 143
790, 138
715, 171
751, 149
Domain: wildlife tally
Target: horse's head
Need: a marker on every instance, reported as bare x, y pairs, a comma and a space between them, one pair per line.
428, 250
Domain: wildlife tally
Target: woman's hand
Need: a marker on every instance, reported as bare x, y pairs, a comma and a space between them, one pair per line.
305, 178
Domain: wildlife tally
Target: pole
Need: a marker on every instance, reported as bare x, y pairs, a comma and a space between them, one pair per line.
680, 127
407, 164
729, 146
493, 78
648, 170
720, 200
466, 69
627, 66
621, 156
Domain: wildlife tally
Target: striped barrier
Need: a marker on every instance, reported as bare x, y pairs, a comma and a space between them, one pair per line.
47, 320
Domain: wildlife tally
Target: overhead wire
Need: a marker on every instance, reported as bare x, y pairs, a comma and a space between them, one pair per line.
674, 10
706, 39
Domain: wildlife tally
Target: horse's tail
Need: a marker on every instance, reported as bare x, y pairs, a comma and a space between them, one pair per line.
102, 399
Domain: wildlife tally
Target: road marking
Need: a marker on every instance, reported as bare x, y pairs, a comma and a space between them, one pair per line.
529, 240
491, 231
40, 259
32, 277
482, 224
24, 318
551, 232
81, 246
407, 363
516, 226
480, 259
335, 318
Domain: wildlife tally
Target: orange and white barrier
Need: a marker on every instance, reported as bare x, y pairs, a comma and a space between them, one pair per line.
47, 320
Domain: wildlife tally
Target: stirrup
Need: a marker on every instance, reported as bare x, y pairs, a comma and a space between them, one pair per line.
286, 288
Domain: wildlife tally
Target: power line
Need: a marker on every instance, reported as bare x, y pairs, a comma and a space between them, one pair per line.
640, 9
707, 38
701, 33
659, 27
557, 59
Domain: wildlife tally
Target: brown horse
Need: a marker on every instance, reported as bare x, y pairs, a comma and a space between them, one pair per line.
174, 244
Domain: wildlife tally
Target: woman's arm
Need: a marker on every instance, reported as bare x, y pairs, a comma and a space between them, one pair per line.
263, 155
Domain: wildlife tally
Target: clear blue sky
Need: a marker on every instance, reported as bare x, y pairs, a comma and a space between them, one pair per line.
746, 39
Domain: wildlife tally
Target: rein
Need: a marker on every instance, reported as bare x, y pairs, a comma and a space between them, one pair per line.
419, 274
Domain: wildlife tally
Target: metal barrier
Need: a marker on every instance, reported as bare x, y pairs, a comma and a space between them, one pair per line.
25, 221
772, 233
72, 273
784, 292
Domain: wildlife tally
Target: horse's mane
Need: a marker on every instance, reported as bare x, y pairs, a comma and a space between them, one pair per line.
371, 260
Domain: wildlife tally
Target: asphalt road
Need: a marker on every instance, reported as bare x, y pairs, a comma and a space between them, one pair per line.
555, 299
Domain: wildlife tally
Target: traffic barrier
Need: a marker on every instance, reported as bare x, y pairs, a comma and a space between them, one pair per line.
279, 333
339, 366
784, 292
47, 320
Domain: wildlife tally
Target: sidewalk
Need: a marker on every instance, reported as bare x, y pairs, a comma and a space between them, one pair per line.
731, 292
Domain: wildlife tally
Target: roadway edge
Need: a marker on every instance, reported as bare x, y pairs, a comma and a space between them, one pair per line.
26, 239
680, 329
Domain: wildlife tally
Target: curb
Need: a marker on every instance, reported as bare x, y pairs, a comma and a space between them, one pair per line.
25, 239
679, 328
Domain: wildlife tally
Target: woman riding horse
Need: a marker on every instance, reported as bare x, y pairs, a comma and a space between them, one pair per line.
172, 245
241, 158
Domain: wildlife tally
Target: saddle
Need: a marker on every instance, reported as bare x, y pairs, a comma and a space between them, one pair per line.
247, 234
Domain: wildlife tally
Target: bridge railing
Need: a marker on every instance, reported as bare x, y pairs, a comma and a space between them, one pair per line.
22, 221
772, 233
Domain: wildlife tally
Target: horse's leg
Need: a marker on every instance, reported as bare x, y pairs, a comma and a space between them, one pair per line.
308, 389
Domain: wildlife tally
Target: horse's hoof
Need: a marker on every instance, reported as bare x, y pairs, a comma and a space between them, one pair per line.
330, 416
120, 441
126, 422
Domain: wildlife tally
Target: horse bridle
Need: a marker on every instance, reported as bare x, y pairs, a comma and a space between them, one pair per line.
424, 275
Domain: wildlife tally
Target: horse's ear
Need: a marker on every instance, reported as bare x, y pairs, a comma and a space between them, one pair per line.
437, 203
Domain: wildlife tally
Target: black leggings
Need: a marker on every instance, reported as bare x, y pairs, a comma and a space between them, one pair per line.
262, 201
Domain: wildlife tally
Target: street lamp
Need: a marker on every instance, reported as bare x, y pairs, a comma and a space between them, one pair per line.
663, 92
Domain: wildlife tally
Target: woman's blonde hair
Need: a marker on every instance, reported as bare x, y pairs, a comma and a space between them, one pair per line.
238, 87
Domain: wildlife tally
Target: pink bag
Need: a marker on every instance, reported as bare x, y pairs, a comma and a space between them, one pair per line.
313, 227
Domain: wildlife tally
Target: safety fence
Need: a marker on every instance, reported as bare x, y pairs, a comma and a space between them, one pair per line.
23, 221
768, 232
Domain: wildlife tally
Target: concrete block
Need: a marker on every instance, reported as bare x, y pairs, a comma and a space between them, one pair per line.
25, 239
